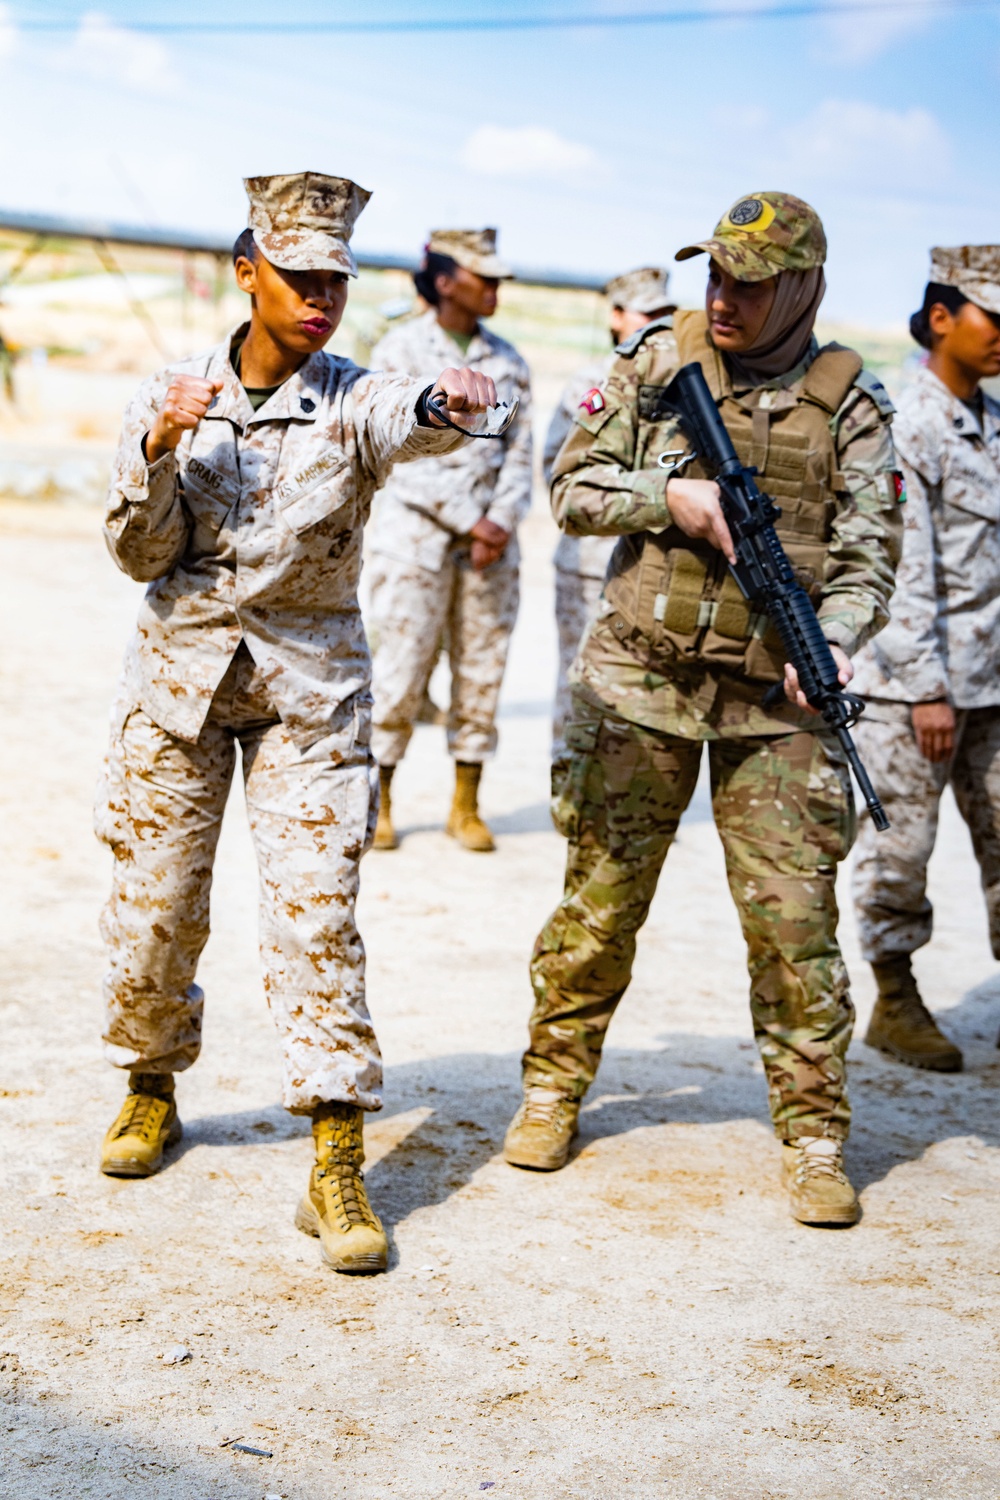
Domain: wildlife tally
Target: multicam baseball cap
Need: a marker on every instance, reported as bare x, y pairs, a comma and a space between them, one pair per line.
303, 221
475, 249
644, 290
973, 269
762, 234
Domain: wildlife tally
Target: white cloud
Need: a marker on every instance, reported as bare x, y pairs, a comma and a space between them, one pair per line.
110, 53
848, 141
524, 151
8, 32
858, 36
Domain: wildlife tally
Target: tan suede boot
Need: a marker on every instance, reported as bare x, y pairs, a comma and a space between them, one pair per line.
146, 1125
335, 1207
818, 1188
385, 834
540, 1134
901, 1024
464, 822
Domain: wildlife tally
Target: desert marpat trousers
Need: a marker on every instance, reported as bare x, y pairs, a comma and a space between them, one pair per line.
312, 815
890, 874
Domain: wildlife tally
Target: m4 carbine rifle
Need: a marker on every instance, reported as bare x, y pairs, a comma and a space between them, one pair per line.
765, 575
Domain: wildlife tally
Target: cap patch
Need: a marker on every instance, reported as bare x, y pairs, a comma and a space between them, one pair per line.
746, 212
593, 402
749, 214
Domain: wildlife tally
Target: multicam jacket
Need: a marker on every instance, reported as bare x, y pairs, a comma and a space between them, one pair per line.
426, 508
674, 646
587, 556
251, 530
943, 640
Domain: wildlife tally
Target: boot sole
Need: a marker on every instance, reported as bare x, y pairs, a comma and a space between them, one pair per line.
132, 1166
472, 848
532, 1163
831, 1220
928, 1064
307, 1219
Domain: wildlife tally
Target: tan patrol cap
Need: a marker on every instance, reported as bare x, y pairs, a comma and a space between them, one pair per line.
762, 234
644, 290
475, 249
973, 269
303, 221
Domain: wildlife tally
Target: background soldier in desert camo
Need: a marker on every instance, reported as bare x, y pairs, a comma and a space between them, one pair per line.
240, 488
932, 676
634, 300
445, 563
675, 658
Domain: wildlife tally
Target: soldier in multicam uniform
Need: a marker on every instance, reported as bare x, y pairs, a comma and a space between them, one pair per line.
932, 676
635, 300
445, 560
240, 488
675, 658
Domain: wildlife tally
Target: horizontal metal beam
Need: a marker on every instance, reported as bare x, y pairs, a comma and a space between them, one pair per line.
53, 227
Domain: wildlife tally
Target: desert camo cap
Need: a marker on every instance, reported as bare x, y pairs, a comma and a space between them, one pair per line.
303, 221
762, 234
645, 290
475, 249
973, 269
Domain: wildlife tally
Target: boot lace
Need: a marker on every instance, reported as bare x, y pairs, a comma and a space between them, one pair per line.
817, 1157
543, 1106
344, 1198
141, 1115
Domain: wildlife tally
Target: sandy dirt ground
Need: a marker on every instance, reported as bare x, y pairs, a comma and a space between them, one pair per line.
648, 1322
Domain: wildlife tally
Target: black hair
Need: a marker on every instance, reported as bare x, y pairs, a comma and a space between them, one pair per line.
434, 266
935, 292
245, 246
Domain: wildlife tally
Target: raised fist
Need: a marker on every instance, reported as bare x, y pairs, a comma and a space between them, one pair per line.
186, 402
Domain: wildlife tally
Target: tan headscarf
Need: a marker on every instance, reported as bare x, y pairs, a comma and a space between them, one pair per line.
787, 330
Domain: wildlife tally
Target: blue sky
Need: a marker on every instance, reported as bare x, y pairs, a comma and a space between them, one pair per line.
592, 149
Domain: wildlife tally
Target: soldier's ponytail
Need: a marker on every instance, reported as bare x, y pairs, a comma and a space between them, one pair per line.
434, 265
936, 292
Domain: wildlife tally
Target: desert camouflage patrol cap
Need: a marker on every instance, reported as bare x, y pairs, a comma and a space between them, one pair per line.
762, 234
973, 269
475, 249
303, 221
644, 290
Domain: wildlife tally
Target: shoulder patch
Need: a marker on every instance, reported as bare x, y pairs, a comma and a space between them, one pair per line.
873, 388
593, 401
658, 325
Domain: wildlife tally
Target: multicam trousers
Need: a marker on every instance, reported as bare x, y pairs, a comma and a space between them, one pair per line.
890, 876
577, 597
413, 609
311, 815
785, 812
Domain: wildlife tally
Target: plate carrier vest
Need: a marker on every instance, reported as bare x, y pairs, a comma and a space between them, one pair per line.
674, 597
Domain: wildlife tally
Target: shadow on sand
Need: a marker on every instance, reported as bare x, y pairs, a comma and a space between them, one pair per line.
467, 1099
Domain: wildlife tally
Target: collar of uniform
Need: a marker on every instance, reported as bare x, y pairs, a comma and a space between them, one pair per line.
479, 344
297, 399
958, 415
232, 403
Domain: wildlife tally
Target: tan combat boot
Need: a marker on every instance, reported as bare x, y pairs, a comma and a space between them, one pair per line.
818, 1189
901, 1024
464, 822
385, 834
147, 1124
336, 1207
540, 1133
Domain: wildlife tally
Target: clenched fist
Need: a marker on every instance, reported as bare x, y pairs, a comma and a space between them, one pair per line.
186, 402
464, 390
489, 542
